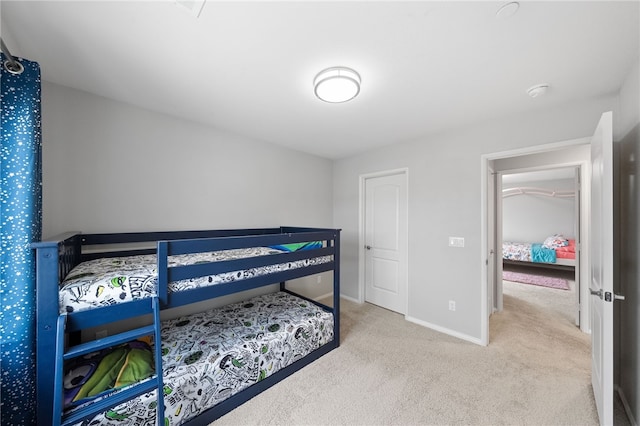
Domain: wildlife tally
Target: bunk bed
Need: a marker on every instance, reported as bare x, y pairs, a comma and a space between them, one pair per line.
210, 362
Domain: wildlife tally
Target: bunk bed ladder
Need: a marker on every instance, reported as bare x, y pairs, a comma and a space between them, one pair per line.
118, 397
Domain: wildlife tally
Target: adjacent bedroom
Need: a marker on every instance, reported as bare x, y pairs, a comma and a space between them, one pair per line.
540, 217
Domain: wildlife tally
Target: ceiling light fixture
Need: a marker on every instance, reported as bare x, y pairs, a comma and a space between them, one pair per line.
507, 10
537, 90
337, 84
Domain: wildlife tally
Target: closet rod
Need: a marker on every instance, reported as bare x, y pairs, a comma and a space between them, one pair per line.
11, 64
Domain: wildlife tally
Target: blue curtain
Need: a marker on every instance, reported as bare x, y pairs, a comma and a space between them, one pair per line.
21, 224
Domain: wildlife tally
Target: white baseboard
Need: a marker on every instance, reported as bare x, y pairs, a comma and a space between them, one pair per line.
350, 299
625, 404
342, 296
324, 296
431, 326
445, 330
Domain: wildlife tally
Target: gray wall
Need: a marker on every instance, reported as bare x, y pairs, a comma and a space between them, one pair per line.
113, 167
110, 166
444, 200
532, 218
628, 194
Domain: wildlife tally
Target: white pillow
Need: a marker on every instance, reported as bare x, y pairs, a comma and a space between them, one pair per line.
555, 241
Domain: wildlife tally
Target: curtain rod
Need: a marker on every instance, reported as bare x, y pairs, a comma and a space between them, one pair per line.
11, 64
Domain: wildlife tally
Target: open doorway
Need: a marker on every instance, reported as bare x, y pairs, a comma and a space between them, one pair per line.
570, 154
596, 263
540, 215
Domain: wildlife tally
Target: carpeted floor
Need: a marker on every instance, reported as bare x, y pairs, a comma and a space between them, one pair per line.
388, 371
557, 304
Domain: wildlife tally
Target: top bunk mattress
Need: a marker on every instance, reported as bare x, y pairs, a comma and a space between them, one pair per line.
112, 280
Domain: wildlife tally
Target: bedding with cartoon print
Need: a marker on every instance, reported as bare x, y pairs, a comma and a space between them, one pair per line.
210, 356
112, 280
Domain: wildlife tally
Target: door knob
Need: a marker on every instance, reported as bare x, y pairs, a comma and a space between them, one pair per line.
367, 247
606, 296
596, 293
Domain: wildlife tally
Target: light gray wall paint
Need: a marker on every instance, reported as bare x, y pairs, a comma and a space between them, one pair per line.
629, 236
532, 218
444, 200
7, 37
113, 167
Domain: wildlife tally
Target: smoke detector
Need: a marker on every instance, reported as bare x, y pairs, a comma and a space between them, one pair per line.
507, 10
193, 6
537, 90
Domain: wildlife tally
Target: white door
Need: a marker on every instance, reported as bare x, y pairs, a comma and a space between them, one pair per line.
385, 248
601, 283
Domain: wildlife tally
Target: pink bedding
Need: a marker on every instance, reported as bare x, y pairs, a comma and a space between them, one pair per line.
567, 252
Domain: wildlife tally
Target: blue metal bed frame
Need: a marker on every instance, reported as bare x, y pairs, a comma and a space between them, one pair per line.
56, 257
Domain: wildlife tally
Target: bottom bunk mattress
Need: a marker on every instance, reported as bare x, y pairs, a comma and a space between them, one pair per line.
209, 356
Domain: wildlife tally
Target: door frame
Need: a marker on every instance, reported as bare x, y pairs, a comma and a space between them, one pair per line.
486, 286
492, 236
361, 229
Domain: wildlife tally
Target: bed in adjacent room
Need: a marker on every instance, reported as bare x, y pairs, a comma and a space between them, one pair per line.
555, 251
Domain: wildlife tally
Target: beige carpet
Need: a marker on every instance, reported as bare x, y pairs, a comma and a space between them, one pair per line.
389, 371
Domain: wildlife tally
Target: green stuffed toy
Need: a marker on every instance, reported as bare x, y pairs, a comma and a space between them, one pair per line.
113, 368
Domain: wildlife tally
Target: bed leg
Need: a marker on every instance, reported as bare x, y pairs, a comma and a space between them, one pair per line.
47, 317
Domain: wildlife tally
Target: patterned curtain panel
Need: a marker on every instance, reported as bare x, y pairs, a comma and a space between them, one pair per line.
21, 224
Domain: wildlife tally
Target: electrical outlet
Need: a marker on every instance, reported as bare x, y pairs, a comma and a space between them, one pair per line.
452, 305
319, 279
101, 334
456, 242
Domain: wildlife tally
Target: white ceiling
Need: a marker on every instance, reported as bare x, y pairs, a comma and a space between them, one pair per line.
247, 67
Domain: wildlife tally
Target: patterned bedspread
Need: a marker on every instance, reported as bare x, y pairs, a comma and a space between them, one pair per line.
107, 281
210, 356
528, 252
516, 251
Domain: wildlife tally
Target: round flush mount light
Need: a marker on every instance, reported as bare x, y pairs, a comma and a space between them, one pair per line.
507, 10
337, 84
537, 90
